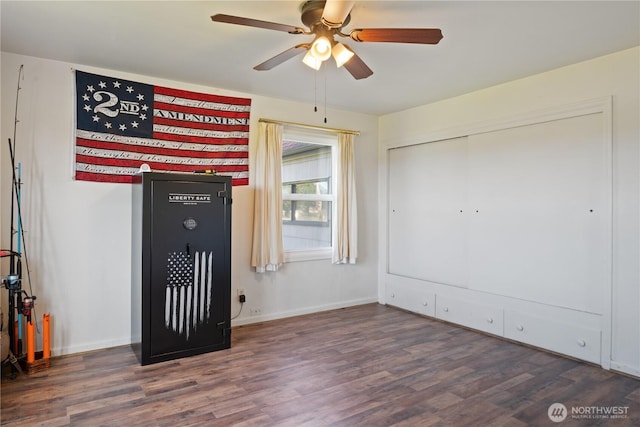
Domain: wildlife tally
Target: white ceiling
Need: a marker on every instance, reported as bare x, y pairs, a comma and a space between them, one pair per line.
485, 43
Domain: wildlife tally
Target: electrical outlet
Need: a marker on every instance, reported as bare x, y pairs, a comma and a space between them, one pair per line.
256, 311
240, 292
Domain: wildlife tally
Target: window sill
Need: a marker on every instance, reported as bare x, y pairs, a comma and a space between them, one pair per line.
307, 255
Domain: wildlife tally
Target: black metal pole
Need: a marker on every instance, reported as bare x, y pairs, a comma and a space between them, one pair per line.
16, 257
14, 188
14, 283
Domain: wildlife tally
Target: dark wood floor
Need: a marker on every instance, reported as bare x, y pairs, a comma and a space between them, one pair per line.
369, 365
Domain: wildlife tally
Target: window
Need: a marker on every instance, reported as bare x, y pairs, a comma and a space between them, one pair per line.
308, 203
297, 210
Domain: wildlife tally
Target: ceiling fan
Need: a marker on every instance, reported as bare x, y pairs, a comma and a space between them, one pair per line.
325, 20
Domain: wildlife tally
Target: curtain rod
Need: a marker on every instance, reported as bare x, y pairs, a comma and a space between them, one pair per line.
301, 125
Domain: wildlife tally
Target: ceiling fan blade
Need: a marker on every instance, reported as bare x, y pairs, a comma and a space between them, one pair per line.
230, 19
282, 57
397, 35
357, 68
335, 12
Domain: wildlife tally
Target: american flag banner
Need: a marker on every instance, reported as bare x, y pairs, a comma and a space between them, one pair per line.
121, 125
188, 292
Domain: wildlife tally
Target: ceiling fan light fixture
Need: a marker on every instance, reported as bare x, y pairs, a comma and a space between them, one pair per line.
311, 61
326, 19
335, 12
321, 48
341, 54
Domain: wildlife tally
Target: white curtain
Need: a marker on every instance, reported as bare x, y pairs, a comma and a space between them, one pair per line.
267, 253
345, 249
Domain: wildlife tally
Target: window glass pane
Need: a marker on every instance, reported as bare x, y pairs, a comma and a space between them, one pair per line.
286, 210
306, 170
312, 211
305, 188
323, 187
301, 234
312, 187
302, 162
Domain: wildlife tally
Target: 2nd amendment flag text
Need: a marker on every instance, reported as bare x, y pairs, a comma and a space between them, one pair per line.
121, 125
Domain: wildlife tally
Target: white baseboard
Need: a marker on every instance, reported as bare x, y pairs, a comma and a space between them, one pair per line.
625, 369
298, 312
98, 345
95, 345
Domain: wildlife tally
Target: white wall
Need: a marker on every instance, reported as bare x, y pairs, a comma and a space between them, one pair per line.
79, 233
616, 75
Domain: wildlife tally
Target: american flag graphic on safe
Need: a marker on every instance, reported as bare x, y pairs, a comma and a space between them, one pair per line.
121, 124
188, 291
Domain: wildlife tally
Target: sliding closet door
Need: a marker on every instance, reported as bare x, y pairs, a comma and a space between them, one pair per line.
427, 209
523, 212
540, 222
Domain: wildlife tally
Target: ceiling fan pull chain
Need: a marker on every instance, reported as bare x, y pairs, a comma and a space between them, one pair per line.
315, 92
325, 93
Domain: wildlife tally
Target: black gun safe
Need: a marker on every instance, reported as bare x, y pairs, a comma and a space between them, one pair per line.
181, 265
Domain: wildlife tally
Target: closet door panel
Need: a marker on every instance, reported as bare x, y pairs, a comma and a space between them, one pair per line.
540, 212
427, 209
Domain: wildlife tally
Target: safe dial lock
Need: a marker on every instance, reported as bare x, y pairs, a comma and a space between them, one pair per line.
189, 223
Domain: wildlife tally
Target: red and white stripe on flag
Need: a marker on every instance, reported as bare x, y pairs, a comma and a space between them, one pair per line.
121, 125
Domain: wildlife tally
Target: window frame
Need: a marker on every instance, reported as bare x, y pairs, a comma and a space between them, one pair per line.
322, 138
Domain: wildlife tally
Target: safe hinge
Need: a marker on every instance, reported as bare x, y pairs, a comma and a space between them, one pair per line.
224, 195
223, 325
